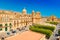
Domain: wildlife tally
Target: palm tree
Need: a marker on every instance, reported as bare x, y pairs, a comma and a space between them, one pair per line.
6, 25
10, 25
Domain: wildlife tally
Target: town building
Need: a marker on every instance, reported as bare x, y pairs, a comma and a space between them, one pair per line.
52, 18
12, 20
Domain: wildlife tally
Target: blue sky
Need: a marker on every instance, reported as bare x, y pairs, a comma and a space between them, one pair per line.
46, 7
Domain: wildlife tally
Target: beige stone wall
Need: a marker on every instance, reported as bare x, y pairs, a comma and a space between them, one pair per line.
3, 25
19, 20
52, 18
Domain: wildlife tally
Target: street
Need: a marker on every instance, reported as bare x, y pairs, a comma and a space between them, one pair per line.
17, 31
53, 36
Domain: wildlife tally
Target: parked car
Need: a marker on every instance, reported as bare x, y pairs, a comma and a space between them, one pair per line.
14, 31
56, 35
19, 29
23, 28
8, 33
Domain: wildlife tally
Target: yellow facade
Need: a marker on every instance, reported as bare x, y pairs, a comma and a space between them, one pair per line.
18, 19
52, 18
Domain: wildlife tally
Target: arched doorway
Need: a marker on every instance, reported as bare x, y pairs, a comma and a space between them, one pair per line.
6, 28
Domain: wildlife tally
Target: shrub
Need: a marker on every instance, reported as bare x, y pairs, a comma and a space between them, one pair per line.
55, 23
44, 31
45, 27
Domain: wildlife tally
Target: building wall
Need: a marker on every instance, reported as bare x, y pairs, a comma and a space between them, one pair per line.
19, 20
52, 18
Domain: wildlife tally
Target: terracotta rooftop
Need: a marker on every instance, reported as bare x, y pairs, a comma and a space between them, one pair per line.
27, 35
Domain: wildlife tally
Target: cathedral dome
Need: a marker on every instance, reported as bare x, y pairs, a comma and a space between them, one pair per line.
24, 9
32, 10
53, 16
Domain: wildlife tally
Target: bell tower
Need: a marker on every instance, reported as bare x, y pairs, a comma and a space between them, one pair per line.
33, 19
33, 13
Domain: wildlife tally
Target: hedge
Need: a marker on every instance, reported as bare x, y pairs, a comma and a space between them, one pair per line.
55, 23
45, 27
44, 31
